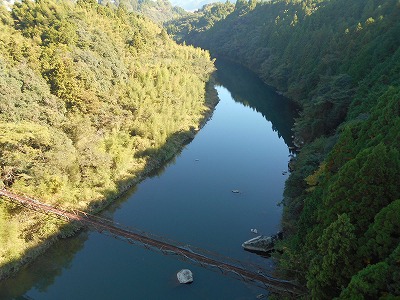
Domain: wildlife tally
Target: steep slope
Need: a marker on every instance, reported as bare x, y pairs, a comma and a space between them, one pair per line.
192, 5
188, 26
91, 98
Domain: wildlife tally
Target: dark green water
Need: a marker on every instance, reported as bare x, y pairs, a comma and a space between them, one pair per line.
244, 146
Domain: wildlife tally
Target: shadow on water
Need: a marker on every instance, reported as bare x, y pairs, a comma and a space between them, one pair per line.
44, 270
163, 157
42, 273
247, 88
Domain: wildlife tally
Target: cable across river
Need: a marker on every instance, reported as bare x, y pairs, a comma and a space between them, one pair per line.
240, 270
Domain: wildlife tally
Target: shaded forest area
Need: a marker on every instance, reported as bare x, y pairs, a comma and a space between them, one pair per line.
340, 60
91, 99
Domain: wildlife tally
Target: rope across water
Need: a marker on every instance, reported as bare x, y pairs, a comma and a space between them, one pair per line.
240, 270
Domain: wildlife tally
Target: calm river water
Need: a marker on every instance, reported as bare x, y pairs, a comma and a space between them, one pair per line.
243, 147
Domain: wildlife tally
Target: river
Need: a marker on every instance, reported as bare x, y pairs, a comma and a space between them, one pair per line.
245, 147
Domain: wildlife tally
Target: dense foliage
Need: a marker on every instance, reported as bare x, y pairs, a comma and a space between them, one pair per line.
341, 61
157, 10
188, 26
192, 5
91, 98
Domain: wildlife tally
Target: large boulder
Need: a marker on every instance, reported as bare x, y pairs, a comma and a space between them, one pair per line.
185, 276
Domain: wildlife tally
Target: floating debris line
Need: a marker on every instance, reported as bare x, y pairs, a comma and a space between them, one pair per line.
247, 272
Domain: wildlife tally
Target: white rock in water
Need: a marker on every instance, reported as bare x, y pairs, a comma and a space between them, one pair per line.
185, 276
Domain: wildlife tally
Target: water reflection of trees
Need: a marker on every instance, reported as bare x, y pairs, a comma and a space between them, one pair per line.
44, 270
246, 88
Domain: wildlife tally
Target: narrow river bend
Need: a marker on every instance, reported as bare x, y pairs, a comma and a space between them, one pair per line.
245, 147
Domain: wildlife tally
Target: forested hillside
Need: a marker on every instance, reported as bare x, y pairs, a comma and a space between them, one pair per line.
192, 5
157, 10
91, 98
188, 26
340, 60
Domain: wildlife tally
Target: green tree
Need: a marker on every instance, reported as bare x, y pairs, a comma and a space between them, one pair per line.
252, 4
241, 5
368, 283
332, 267
383, 234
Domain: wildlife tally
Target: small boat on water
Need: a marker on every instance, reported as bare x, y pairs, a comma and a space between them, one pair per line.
262, 243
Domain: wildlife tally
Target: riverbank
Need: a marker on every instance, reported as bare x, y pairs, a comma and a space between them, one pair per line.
190, 201
51, 230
